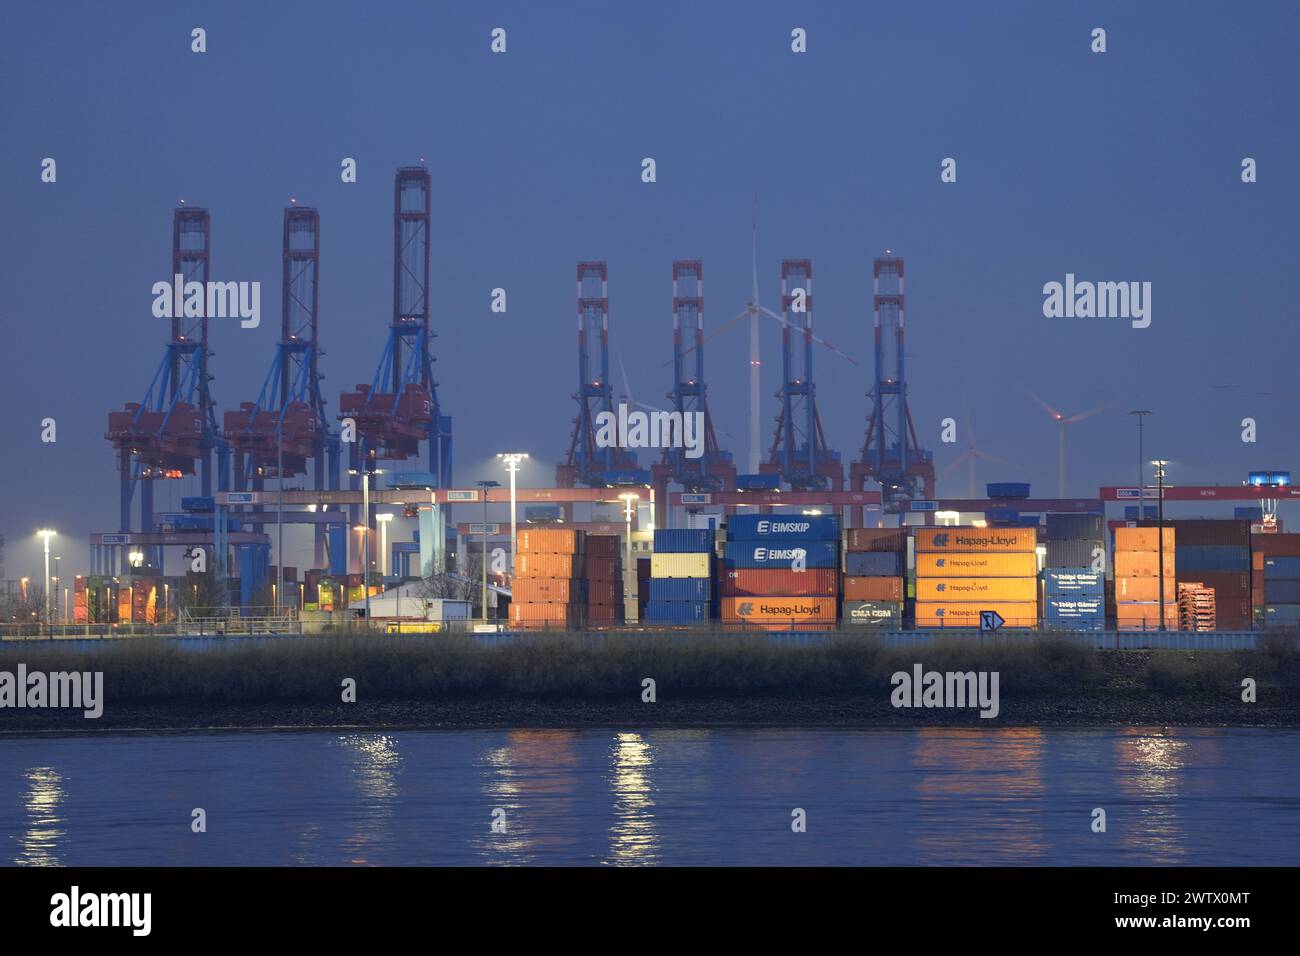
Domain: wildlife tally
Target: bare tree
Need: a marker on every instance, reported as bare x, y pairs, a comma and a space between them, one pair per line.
463, 584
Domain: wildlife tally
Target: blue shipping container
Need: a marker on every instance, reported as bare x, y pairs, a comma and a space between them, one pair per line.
873, 564
1281, 591
683, 540
780, 527
1281, 567
1007, 489
782, 554
1282, 614
1073, 583
1062, 527
1211, 557
676, 612
681, 589
1073, 553
1073, 608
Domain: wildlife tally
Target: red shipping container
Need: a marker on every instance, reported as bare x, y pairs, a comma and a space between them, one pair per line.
604, 615
604, 592
1285, 545
756, 582
545, 590
1196, 532
876, 539
1226, 584
602, 568
873, 589
604, 545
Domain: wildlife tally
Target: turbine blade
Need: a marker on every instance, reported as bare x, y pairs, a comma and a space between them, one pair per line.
1082, 415
959, 460
1047, 408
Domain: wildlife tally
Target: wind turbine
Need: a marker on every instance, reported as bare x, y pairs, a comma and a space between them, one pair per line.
753, 309
972, 453
1062, 421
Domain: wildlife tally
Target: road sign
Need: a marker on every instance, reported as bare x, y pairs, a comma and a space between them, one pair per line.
462, 496
990, 621
692, 499
114, 539
923, 506
239, 497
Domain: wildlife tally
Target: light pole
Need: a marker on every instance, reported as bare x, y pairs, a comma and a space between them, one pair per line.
512, 460
56, 579
484, 486
365, 474
383, 520
629, 510
46, 533
1141, 414
1160, 531
279, 514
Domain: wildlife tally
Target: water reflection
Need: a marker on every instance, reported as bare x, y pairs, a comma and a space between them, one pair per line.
39, 843
633, 838
997, 774
376, 764
1151, 765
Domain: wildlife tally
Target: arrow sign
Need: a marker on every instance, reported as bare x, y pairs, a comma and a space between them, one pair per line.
990, 621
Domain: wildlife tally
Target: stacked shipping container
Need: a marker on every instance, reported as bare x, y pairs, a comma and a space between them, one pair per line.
549, 589
961, 571
1137, 579
681, 577
1074, 579
781, 572
603, 576
1216, 553
1279, 563
873, 590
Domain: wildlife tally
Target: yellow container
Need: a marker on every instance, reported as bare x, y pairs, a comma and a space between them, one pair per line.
995, 565
981, 540
944, 614
1143, 564
1142, 539
1144, 588
977, 589
694, 565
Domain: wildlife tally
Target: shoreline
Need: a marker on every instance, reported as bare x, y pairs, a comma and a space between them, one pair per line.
823, 711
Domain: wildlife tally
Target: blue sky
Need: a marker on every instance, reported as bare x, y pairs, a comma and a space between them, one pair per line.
1120, 166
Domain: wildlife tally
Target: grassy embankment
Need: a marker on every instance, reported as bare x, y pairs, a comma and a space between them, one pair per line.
562, 680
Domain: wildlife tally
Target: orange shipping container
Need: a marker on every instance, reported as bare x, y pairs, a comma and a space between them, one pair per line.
1142, 539
777, 609
977, 589
545, 590
1144, 589
944, 614
529, 565
550, 540
1142, 564
873, 589
1146, 613
976, 565
961, 539
529, 613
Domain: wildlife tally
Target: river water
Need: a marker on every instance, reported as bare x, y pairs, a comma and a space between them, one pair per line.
1182, 796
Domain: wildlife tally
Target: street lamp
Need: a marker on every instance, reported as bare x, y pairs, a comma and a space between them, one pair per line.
136, 558
485, 485
57, 579
629, 499
1159, 464
46, 533
365, 474
512, 460
1141, 414
383, 520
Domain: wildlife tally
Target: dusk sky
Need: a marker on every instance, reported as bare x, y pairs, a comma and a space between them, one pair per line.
1122, 166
